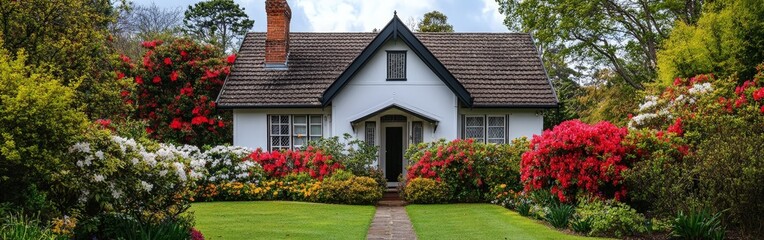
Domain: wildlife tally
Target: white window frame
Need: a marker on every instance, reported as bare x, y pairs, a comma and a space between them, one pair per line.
309, 135
503, 127
482, 128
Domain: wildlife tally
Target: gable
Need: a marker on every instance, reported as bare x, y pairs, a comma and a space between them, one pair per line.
397, 31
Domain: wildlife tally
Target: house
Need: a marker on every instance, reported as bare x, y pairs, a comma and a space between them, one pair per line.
392, 89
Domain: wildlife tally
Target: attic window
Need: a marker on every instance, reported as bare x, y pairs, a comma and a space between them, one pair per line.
396, 65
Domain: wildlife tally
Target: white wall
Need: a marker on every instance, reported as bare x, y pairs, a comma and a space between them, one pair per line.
250, 126
369, 90
522, 122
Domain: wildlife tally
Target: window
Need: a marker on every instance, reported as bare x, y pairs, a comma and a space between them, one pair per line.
474, 127
486, 128
496, 131
417, 132
293, 131
396, 65
371, 128
279, 134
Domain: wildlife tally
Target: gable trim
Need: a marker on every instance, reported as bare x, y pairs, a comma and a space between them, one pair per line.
395, 29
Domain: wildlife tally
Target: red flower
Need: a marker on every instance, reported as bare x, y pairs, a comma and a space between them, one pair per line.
120, 75
124, 58
762, 109
758, 94
676, 127
176, 124
167, 61
221, 124
199, 120
174, 76
106, 123
183, 54
138, 80
156, 79
149, 44
149, 130
124, 93
231, 58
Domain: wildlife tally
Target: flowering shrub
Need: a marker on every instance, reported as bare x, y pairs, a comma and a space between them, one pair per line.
149, 182
722, 130
175, 87
312, 161
468, 169
350, 190
576, 157
425, 190
225, 163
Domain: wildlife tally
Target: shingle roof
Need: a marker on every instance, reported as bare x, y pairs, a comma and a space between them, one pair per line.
497, 69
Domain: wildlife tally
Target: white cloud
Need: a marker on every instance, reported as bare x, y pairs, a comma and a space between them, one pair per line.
492, 16
358, 15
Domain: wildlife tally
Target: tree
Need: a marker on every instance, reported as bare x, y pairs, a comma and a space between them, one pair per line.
70, 38
726, 40
434, 22
622, 35
39, 120
139, 23
218, 22
176, 87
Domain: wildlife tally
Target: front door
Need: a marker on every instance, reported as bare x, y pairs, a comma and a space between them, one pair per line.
393, 153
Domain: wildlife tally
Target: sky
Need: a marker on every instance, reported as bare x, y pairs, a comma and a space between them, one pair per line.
366, 15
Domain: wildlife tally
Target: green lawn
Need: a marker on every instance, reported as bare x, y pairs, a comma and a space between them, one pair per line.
477, 221
281, 220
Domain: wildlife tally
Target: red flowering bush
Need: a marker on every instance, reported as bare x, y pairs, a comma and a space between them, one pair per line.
176, 84
575, 157
468, 169
278, 164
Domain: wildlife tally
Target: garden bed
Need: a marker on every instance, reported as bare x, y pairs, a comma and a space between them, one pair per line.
281, 220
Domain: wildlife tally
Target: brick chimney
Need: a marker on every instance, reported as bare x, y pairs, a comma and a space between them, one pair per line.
277, 37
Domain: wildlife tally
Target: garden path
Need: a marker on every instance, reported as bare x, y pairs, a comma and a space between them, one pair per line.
391, 220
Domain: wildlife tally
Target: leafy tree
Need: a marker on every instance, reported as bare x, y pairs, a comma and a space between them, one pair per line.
176, 85
726, 40
218, 22
622, 35
607, 98
39, 120
434, 21
70, 38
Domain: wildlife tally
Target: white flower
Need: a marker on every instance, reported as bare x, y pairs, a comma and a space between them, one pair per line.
116, 193
147, 186
700, 88
162, 173
80, 163
647, 104
149, 158
82, 147
134, 161
99, 155
180, 170
98, 178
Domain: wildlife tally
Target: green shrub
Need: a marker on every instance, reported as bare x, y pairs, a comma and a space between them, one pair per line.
354, 190
559, 215
581, 224
611, 218
524, 208
356, 155
425, 190
19, 227
698, 225
118, 226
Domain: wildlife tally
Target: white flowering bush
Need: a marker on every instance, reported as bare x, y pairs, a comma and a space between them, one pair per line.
659, 110
149, 181
222, 164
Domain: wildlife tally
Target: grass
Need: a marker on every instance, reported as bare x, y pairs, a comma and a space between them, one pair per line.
477, 221
281, 220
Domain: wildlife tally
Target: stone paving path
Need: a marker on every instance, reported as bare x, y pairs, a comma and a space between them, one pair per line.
391, 221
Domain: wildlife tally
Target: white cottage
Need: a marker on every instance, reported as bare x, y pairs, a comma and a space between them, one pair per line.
392, 89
